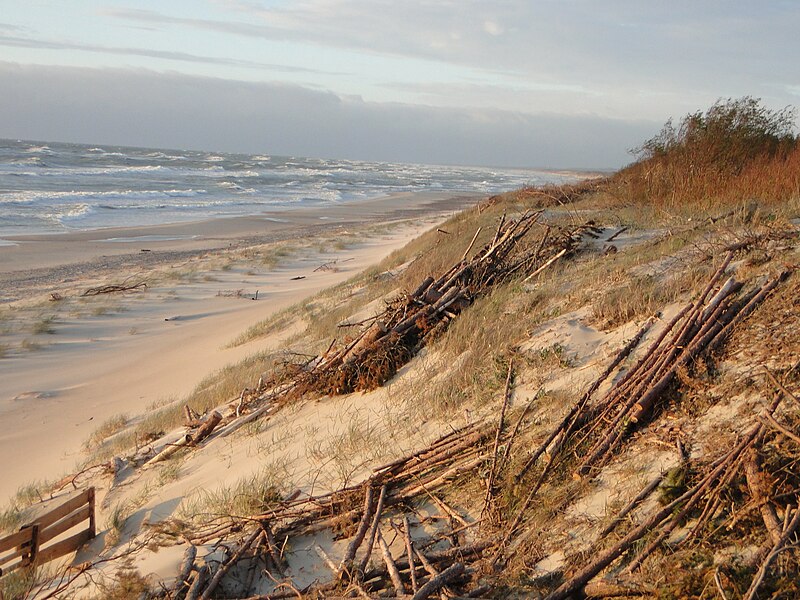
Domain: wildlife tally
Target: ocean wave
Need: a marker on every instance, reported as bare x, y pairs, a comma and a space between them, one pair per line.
165, 156
91, 186
103, 152
69, 213
157, 170
39, 150
218, 171
44, 197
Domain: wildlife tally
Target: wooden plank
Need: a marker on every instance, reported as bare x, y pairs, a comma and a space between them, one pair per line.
62, 511
9, 568
16, 539
63, 547
65, 524
19, 551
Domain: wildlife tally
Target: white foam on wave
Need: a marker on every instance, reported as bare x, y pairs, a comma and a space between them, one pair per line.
71, 212
8, 243
165, 156
39, 150
217, 171
31, 197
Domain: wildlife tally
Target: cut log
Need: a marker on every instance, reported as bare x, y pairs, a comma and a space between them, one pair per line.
363, 527
758, 490
450, 574
207, 427
391, 565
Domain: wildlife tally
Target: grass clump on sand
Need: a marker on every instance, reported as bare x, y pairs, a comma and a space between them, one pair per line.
44, 325
247, 497
108, 428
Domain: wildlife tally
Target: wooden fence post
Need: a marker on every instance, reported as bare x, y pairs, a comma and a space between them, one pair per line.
92, 523
33, 548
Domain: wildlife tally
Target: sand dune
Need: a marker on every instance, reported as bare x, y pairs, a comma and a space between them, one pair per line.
160, 344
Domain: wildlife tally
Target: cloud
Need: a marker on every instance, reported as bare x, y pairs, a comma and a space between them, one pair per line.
40, 44
493, 28
144, 108
698, 49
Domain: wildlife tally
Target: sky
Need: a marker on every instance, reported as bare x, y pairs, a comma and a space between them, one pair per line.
528, 83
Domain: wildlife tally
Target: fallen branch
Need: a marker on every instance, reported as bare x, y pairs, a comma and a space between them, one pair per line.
114, 288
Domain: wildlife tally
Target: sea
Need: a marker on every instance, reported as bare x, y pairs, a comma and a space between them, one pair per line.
58, 187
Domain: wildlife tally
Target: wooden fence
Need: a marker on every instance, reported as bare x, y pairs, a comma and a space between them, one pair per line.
29, 545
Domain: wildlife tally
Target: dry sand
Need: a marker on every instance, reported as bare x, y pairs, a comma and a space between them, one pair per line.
119, 355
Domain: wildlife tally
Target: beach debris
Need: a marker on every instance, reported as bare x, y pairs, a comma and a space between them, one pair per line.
298, 278
115, 288
56, 297
410, 320
616, 234
331, 265
203, 431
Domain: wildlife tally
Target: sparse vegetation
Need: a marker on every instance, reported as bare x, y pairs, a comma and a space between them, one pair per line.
250, 496
44, 325
108, 428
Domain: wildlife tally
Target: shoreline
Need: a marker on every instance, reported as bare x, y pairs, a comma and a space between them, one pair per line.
124, 353
39, 260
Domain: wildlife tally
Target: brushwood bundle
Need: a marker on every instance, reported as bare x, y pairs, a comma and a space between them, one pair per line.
411, 320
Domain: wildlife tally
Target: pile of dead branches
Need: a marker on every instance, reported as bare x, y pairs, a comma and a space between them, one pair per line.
594, 431
752, 479
362, 513
393, 337
712, 504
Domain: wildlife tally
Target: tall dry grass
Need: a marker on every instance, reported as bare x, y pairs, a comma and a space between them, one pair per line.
738, 150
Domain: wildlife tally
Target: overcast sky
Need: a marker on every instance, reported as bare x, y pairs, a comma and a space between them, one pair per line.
549, 83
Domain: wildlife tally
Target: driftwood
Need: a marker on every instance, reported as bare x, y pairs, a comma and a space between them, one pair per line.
758, 490
391, 565
496, 446
197, 583
452, 572
593, 431
373, 530
225, 567
687, 501
115, 288
363, 527
187, 565
203, 432
410, 554
393, 337
790, 526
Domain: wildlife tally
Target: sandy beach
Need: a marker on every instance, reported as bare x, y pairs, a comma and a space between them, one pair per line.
69, 365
